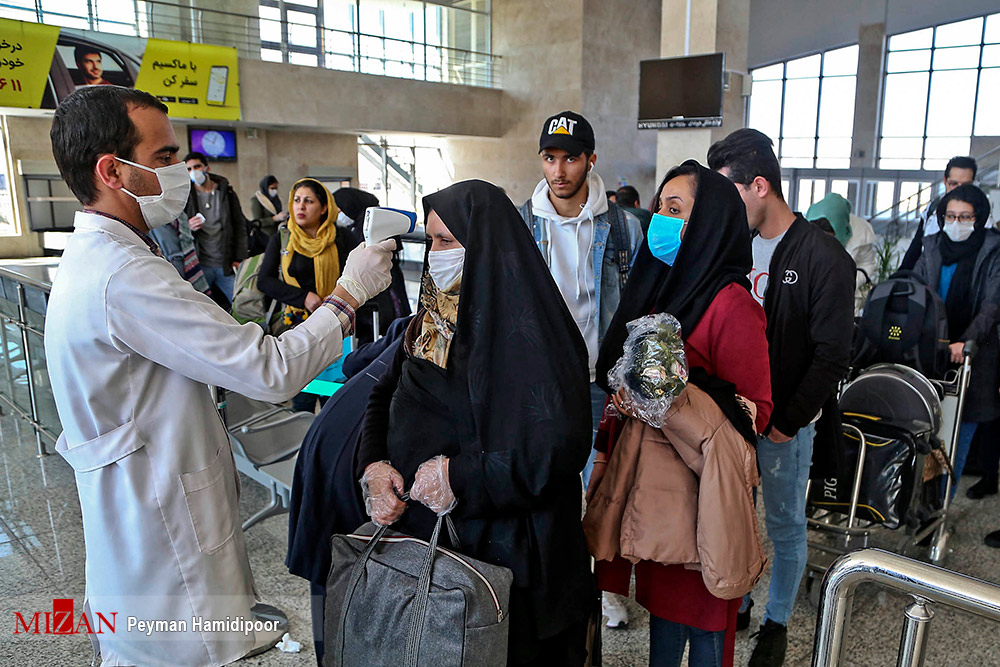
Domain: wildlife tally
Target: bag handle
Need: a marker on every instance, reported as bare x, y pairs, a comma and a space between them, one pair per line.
419, 609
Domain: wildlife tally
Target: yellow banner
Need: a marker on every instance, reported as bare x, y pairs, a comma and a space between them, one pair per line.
193, 80
25, 59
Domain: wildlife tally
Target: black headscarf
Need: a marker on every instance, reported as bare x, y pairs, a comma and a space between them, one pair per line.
516, 344
715, 252
959, 304
265, 184
354, 202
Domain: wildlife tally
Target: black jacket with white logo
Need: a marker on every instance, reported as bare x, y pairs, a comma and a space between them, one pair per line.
810, 318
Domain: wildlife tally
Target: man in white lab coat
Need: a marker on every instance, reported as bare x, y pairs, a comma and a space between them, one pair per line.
132, 349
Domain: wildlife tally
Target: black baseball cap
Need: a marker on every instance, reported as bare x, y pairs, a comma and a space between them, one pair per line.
569, 131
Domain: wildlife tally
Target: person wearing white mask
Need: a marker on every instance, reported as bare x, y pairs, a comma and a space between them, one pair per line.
132, 351
218, 223
962, 264
265, 208
588, 244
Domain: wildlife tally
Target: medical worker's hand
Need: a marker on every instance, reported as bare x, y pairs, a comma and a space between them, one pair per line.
382, 486
367, 271
431, 486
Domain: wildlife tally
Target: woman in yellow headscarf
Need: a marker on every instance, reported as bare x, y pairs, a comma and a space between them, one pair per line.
301, 264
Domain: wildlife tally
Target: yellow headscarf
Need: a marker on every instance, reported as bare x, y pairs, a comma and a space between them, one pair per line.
322, 250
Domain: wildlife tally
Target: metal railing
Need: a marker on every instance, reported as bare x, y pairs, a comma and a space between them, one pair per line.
333, 48
926, 583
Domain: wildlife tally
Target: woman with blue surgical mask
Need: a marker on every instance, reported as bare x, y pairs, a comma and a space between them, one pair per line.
694, 266
962, 264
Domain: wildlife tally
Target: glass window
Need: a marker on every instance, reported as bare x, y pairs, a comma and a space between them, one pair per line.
807, 107
930, 107
988, 122
961, 33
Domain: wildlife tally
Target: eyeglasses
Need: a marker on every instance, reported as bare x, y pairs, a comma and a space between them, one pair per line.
962, 217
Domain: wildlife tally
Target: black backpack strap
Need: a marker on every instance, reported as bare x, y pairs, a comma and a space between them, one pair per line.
619, 232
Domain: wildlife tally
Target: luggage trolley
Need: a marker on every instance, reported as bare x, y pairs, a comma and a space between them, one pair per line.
882, 405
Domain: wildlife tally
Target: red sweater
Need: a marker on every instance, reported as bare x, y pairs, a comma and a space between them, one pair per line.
729, 343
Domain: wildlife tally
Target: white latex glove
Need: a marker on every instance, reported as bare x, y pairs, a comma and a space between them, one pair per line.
367, 270
432, 488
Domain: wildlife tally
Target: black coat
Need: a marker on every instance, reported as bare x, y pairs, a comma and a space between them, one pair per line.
982, 403
810, 314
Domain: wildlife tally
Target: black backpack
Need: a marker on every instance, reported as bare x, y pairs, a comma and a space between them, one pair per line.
904, 322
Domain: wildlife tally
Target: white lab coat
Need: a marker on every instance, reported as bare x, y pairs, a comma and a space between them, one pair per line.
131, 349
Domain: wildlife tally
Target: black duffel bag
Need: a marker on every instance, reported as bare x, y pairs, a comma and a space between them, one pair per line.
398, 601
890, 479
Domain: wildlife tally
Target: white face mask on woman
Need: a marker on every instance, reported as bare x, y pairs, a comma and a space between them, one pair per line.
272, 192
160, 209
959, 231
445, 266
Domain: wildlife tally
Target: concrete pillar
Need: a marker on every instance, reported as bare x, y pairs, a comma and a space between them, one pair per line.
871, 63
715, 25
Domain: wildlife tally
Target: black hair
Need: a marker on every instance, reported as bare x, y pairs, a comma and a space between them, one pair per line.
80, 51
195, 155
686, 169
970, 194
91, 122
609, 194
961, 162
627, 196
748, 153
316, 188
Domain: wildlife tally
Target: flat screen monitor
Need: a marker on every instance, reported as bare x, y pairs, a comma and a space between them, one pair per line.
681, 92
218, 145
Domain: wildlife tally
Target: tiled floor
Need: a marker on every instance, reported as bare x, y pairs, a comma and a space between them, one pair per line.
42, 556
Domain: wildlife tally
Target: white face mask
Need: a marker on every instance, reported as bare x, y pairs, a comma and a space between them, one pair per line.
198, 177
343, 220
160, 209
445, 266
273, 192
958, 231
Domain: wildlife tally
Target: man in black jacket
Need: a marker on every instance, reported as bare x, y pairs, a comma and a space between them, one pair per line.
218, 223
805, 281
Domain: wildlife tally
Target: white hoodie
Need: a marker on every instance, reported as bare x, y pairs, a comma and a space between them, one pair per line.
570, 258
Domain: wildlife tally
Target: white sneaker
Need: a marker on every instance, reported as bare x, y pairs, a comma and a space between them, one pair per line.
614, 610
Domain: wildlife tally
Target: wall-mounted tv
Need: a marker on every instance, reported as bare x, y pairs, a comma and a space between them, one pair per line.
681, 92
218, 145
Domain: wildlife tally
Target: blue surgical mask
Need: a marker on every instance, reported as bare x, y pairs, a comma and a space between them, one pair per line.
664, 237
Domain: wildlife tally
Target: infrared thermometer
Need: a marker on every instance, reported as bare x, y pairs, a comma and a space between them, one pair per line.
383, 223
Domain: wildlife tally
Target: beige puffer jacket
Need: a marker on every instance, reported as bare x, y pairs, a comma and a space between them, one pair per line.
682, 494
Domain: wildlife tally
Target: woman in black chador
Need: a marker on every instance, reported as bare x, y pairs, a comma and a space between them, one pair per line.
486, 409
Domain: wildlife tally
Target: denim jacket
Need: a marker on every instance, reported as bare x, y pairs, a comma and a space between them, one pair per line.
607, 287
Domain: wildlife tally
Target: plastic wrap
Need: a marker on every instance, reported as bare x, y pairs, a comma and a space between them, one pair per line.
380, 486
653, 369
432, 488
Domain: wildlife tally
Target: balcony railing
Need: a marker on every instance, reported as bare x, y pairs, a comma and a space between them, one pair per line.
279, 40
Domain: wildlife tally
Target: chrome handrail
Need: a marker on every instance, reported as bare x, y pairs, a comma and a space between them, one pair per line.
926, 583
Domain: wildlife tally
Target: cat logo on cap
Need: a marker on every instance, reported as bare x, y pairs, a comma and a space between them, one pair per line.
561, 125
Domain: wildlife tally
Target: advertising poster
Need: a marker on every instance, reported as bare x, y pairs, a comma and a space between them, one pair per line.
41, 65
25, 56
193, 80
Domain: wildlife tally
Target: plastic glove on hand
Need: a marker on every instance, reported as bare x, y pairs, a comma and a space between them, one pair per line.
432, 488
382, 486
367, 270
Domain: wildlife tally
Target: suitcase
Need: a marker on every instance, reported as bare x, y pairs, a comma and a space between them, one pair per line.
398, 601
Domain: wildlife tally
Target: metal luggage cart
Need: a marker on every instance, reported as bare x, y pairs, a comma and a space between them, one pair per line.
834, 533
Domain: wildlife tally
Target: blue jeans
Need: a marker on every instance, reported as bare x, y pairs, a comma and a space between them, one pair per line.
784, 473
597, 399
667, 641
965, 435
217, 280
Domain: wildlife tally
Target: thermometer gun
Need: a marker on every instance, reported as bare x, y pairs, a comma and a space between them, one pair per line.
384, 223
